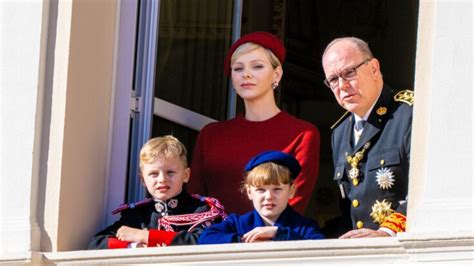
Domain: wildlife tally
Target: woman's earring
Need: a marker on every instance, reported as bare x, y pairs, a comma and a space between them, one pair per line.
274, 84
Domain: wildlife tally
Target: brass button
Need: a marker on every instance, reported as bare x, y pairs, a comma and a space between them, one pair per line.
382, 162
359, 224
338, 174
355, 182
355, 203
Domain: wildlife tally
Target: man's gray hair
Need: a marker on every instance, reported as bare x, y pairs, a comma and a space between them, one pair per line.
361, 45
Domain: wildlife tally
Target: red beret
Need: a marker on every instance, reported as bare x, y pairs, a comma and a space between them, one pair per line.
265, 39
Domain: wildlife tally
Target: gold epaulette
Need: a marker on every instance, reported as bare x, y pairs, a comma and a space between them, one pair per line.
406, 96
339, 120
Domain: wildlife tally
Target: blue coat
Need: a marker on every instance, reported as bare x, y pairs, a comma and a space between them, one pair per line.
291, 226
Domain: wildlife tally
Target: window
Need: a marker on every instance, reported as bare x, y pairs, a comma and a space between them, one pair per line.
178, 83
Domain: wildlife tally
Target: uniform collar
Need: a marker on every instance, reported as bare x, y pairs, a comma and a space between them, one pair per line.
376, 117
169, 206
366, 115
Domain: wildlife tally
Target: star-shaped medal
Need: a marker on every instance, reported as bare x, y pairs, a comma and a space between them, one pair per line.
385, 178
381, 211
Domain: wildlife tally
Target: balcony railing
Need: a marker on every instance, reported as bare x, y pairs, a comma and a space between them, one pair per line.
405, 248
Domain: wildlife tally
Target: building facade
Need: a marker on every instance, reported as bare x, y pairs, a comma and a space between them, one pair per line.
68, 70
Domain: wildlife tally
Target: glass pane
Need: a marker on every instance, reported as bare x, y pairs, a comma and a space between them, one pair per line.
186, 135
193, 38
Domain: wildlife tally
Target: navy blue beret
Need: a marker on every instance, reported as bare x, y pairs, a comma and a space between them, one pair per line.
277, 157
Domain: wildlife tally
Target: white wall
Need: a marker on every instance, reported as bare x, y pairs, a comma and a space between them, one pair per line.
20, 96
82, 72
442, 164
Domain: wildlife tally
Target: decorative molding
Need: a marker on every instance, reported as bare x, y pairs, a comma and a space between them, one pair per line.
401, 249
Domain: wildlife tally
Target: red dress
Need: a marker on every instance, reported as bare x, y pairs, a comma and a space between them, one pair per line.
223, 148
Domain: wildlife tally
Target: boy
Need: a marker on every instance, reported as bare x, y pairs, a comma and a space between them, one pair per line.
171, 216
268, 182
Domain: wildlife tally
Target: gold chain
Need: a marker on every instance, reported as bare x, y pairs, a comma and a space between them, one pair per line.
354, 161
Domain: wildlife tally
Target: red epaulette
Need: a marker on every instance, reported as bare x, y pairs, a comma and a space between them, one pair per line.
125, 206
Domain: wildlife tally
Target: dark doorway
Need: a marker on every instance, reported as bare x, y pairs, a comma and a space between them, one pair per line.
307, 26
192, 32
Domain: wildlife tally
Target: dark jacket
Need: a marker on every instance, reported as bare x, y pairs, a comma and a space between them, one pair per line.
383, 169
146, 214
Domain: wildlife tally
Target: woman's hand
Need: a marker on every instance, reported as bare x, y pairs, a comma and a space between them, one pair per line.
263, 233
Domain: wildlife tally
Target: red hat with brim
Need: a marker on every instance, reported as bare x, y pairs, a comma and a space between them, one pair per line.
265, 39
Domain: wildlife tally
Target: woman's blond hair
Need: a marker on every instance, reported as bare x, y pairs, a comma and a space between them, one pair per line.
249, 47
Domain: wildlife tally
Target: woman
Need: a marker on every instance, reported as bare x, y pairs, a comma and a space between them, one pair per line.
222, 149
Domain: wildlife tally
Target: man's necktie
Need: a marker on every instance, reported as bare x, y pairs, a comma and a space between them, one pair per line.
359, 126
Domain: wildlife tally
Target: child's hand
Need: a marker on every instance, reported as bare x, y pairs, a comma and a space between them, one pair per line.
263, 233
125, 233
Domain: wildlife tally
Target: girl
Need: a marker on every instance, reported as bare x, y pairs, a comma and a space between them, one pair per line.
269, 184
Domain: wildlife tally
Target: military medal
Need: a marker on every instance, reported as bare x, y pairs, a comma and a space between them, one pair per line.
381, 211
354, 161
384, 178
354, 172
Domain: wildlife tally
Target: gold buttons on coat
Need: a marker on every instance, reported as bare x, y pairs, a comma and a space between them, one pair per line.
382, 162
355, 203
338, 174
359, 224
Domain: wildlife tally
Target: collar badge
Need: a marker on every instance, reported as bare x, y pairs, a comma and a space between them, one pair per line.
160, 207
381, 111
173, 203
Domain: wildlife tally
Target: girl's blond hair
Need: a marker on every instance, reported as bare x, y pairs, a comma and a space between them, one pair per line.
266, 174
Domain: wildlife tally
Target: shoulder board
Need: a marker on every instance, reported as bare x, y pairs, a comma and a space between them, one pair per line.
124, 206
339, 120
405, 96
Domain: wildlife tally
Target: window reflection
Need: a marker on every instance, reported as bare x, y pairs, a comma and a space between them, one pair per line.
193, 38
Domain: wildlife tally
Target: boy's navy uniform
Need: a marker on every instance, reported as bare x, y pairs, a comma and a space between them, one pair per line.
373, 173
291, 226
176, 221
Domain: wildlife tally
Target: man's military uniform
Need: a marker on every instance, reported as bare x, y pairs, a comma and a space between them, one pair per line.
176, 221
373, 174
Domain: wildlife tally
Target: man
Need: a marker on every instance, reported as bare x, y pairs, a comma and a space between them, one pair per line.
371, 145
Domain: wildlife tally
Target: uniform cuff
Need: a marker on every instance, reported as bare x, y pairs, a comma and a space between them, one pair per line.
115, 243
395, 222
160, 238
388, 231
